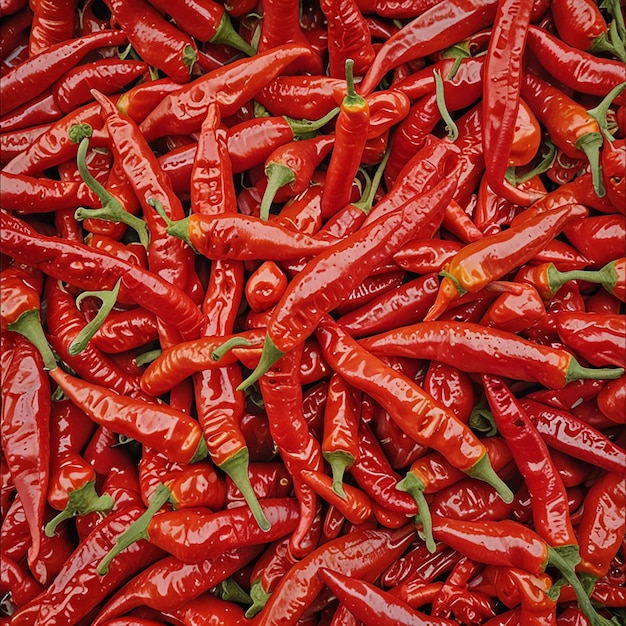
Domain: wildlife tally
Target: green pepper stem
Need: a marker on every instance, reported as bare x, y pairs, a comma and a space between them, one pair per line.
351, 98
369, 193
179, 228
483, 471
599, 113
614, 8
81, 502
302, 127
610, 42
415, 488
544, 165
259, 598
481, 420
112, 210
269, 356
575, 371
237, 468
590, 144
231, 591
339, 461
190, 56
605, 276
227, 35
453, 131
138, 529
108, 299
148, 357
278, 175
563, 559
228, 345
28, 324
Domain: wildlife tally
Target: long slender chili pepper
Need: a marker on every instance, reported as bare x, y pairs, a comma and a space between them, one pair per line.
303, 304
517, 357
230, 86
564, 431
35, 75
372, 605
547, 493
501, 91
435, 29
492, 257
359, 554
25, 435
350, 138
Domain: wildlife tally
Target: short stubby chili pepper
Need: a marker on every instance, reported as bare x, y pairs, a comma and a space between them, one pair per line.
471, 347
493, 256
193, 535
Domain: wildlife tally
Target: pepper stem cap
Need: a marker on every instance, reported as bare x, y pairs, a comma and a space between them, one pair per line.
269, 356
415, 488
339, 461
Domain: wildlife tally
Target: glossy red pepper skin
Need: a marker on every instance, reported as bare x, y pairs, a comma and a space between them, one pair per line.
17, 585
360, 553
177, 584
611, 400
613, 160
53, 23
31, 78
564, 431
183, 111
435, 29
25, 434
13, 29
15, 531
600, 339
600, 238
602, 525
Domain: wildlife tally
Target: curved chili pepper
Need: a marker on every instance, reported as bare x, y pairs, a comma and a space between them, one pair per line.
547, 492
372, 605
598, 338
192, 535
581, 24
571, 66
357, 254
471, 347
435, 29
206, 21
360, 554
25, 434
183, 111
350, 139
35, 75
570, 127
108, 76
490, 258
601, 527
564, 431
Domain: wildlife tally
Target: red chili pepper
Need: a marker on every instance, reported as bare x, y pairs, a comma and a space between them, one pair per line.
357, 254
613, 161
611, 400
600, 238
14, 143
13, 30
18, 587
40, 110
598, 338
206, 21
435, 29
564, 431
373, 605
35, 75
361, 553
53, 23
581, 24
15, 532
516, 309
25, 434
571, 66
108, 76
192, 535
350, 138
183, 111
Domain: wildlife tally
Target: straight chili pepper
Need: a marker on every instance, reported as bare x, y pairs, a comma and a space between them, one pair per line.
183, 111
31, 78
350, 138
435, 29
360, 553
492, 257
303, 304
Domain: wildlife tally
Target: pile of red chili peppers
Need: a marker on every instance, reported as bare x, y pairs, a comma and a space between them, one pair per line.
313, 312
